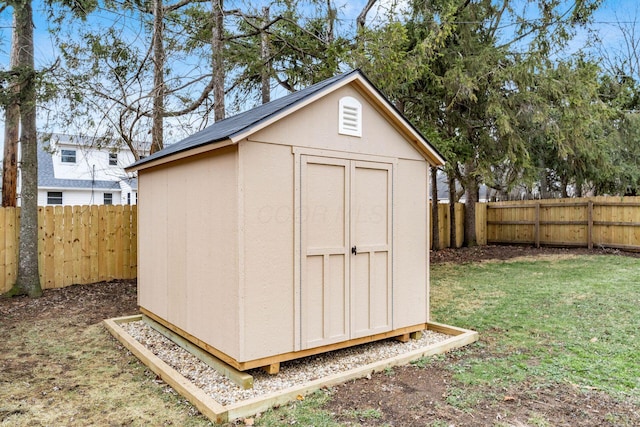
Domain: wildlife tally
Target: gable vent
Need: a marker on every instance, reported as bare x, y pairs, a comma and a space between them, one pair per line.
350, 117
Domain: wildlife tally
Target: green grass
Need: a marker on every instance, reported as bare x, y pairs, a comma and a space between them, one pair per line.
569, 320
307, 412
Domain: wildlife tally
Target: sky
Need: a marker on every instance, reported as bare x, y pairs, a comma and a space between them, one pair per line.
606, 22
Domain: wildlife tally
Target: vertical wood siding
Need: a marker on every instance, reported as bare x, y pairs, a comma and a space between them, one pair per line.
612, 222
76, 244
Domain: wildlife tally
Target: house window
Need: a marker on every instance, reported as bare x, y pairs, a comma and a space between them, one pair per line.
113, 159
128, 198
350, 116
54, 197
108, 198
68, 156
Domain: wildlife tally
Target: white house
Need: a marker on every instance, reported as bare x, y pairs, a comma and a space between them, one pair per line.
76, 170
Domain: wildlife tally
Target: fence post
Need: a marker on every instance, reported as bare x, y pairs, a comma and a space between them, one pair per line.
590, 224
537, 225
481, 223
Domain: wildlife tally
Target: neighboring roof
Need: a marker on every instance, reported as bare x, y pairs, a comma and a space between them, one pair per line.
443, 189
47, 179
102, 143
133, 182
240, 125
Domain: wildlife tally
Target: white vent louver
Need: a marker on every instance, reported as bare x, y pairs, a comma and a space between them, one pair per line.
350, 119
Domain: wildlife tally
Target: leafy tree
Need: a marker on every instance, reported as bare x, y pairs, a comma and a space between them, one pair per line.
473, 82
570, 132
620, 88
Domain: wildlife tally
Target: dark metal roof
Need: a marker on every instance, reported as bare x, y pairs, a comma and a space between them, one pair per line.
47, 179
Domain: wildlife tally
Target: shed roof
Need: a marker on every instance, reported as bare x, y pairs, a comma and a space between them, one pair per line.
235, 128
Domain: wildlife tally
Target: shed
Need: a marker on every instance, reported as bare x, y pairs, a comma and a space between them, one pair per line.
294, 228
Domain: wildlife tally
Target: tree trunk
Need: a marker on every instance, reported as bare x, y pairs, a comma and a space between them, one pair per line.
264, 56
472, 190
361, 21
28, 279
157, 134
435, 220
217, 59
11, 134
564, 190
10, 161
362, 17
453, 199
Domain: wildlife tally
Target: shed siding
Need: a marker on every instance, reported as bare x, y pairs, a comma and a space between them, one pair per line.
268, 249
152, 241
316, 126
410, 292
199, 292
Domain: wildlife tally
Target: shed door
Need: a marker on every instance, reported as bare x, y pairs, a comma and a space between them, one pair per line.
345, 216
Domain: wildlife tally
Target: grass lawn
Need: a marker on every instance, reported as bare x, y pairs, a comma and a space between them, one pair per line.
558, 346
569, 320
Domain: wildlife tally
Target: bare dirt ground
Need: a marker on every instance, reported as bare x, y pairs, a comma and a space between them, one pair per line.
407, 396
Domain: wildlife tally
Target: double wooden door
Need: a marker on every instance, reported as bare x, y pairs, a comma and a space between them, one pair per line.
346, 251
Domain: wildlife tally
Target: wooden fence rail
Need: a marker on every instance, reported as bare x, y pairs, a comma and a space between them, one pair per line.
76, 244
612, 222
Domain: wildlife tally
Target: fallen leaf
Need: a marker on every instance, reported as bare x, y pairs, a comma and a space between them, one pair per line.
509, 398
300, 397
249, 421
594, 339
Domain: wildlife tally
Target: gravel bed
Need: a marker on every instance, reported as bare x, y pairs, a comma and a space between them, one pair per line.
292, 373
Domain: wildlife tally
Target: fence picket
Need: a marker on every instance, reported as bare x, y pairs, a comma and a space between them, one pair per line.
588, 222
70, 239
11, 247
3, 248
49, 249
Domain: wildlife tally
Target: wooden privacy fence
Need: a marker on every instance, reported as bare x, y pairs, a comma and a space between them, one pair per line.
76, 244
445, 224
612, 222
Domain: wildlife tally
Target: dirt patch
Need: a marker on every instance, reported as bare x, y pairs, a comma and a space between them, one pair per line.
428, 396
501, 253
58, 366
87, 304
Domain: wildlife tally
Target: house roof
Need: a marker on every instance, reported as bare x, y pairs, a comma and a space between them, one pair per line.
443, 189
47, 179
235, 128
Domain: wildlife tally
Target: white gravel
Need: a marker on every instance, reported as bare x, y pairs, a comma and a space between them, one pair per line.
292, 373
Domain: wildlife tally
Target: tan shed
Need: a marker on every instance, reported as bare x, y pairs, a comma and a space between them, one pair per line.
297, 227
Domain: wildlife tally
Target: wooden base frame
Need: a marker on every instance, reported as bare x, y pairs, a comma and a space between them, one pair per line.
270, 364
218, 413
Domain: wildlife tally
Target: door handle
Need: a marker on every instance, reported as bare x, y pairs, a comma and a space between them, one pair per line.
354, 250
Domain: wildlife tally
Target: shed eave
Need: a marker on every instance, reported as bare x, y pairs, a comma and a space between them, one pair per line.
209, 146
